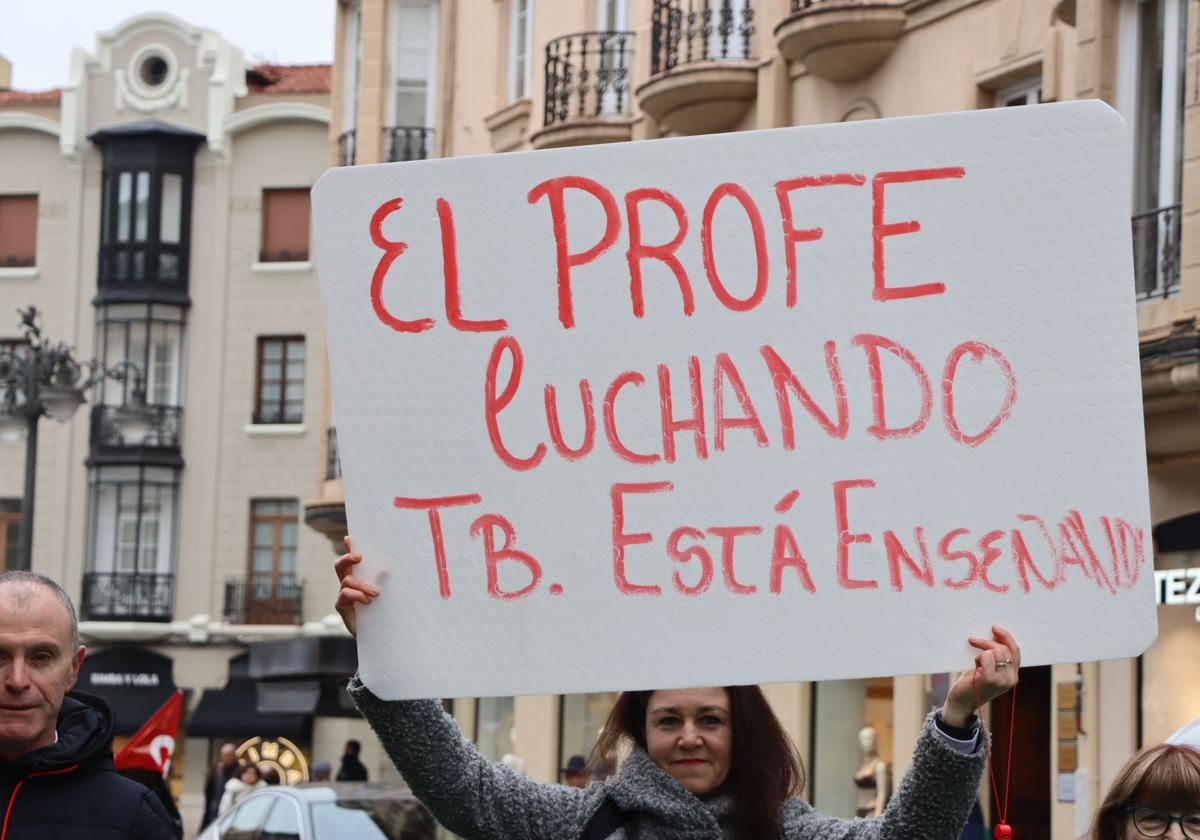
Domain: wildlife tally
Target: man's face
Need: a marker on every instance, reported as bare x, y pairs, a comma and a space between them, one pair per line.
38, 664
228, 755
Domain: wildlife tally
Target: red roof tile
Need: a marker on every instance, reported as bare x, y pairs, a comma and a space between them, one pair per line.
288, 78
30, 97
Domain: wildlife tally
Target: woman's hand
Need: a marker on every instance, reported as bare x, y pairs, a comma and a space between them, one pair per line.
354, 590
995, 672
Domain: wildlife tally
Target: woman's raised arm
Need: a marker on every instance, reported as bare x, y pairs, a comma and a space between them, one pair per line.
471, 796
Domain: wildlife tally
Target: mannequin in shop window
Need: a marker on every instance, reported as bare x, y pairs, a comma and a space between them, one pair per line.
872, 781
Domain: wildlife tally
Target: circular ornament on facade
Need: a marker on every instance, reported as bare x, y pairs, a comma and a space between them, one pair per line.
280, 754
153, 71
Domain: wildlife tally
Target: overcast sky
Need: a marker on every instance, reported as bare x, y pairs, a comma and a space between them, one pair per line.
37, 36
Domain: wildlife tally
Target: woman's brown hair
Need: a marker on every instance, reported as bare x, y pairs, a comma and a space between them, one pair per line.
1165, 776
765, 769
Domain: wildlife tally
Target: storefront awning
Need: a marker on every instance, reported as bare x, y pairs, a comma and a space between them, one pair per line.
232, 711
133, 681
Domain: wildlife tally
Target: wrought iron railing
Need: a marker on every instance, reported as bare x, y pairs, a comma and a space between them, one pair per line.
333, 464
165, 425
346, 148
1156, 252
685, 31
127, 596
408, 143
18, 261
264, 599
587, 75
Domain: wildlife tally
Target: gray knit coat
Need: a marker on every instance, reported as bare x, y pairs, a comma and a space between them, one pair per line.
480, 800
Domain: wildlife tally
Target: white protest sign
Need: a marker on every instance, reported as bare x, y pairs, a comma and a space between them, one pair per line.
807, 403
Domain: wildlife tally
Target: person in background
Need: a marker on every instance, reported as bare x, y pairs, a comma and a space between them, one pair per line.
57, 777
214, 785
321, 772
269, 774
352, 770
575, 774
246, 781
1156, 794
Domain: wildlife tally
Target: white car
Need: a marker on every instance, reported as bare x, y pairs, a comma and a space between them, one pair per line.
326, 811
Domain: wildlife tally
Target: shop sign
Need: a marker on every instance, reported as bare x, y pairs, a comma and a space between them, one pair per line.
118, 679
807, 403
1178, 587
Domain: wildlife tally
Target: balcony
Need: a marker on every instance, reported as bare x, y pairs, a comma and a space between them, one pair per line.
127, 596
160, 445
587, 90
702, 74
346, 148
264, 599
333, 464
408, 143
840, 40
1156, 252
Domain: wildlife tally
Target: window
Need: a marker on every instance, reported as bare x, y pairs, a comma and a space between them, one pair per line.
272, 593
10, 532
145, 204
273, 532
845, 769
10, 349
493, 727
1026, 93
520, 34
413, 35
133, 519
283, 823
582, 716
137, 536
1150, 96
280, 380
18, 231
285, 225
245, 818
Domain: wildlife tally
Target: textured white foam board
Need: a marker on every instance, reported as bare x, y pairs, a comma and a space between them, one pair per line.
1032, 245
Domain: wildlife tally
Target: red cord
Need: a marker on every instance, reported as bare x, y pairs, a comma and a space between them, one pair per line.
1012, 728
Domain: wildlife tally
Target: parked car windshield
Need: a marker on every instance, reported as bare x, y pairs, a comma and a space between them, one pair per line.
373, 819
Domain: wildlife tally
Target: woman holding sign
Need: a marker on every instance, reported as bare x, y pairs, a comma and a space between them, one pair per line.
706, 763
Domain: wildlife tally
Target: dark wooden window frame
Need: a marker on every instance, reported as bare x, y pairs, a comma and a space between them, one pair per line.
281, 403
276, 521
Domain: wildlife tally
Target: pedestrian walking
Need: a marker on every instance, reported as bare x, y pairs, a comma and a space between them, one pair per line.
321, 772
1156, 794
575, 773
707, 763
247, 780
57, 778
214, 784
352, 769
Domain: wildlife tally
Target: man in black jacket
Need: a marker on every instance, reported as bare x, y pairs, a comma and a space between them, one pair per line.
57, 778
352, 770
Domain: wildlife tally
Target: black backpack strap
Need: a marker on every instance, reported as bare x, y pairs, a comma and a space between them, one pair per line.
605, 821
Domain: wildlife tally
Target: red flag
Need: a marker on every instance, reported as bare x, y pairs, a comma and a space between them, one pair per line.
153, 746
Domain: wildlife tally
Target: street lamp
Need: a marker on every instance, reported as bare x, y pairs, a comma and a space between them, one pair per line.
40, 377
